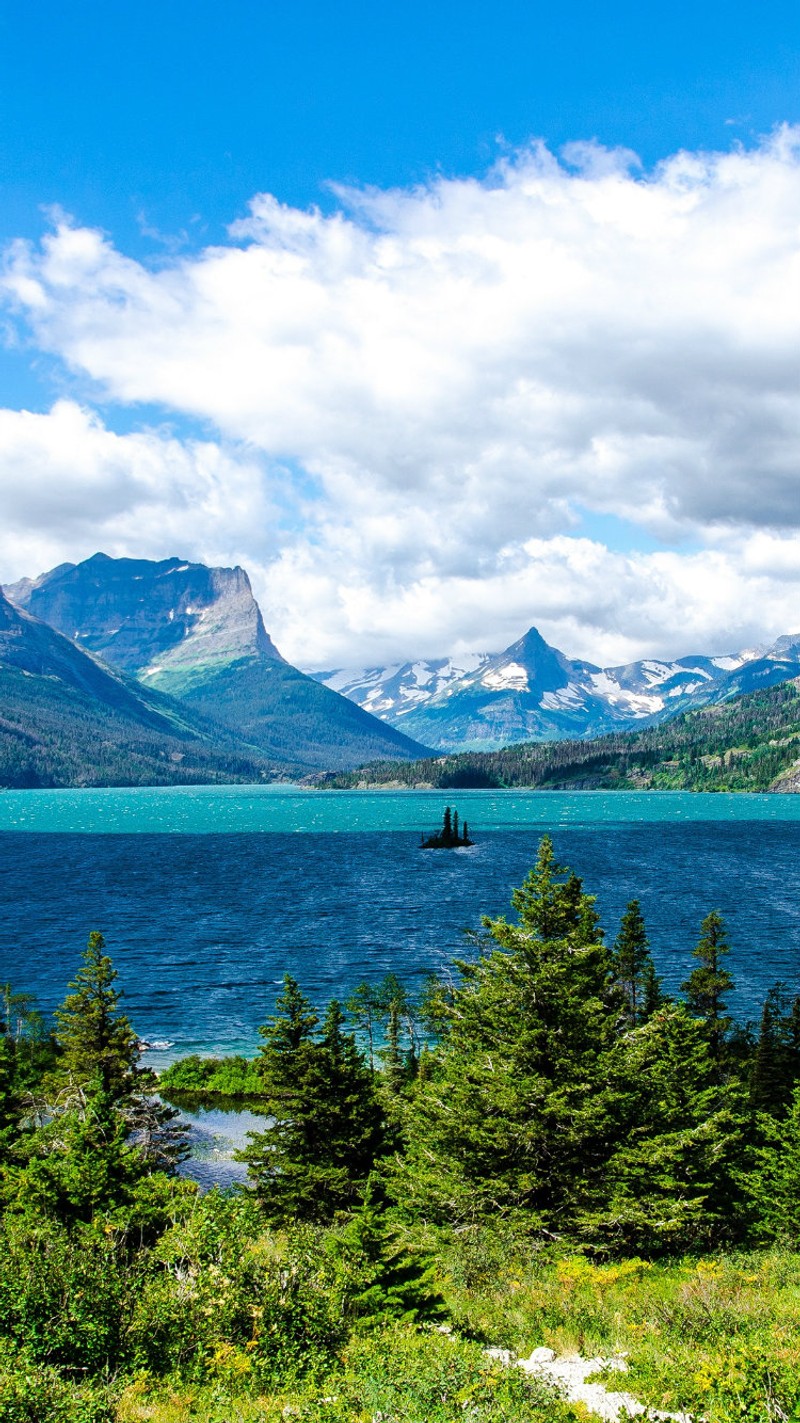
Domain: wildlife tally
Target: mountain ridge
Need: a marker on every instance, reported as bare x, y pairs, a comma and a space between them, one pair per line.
534, 692
197, 634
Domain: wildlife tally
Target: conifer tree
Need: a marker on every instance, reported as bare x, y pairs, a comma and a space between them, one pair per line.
101, 1130
389, 1280
328, 1126
363, 1005
633, 966
672, 1181
513, 1115
707, 986
775, 1183
775, 1066
394, 1074
97, 1043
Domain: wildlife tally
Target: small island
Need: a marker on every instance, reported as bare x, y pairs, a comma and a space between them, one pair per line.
450, 837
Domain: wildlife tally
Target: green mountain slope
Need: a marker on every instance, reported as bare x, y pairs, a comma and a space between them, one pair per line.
292, 718
66, 720
751, 743
197, 634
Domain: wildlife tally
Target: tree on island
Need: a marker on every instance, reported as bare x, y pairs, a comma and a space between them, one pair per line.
450, 837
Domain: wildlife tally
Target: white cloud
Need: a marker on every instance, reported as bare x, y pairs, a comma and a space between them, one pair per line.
70, 487
456, 372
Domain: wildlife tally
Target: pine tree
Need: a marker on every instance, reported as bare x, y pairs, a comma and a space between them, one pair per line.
775, 1183
394, 1073
328, 1126
363, 1005
633, 966
387, 1279
97, 1043
775, 1067
672, 1181
707, 986
513, 1115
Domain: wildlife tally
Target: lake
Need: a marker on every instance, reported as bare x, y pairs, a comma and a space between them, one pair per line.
207, 896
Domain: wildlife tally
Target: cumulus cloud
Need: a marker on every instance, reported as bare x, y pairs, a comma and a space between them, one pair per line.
70, 487
450, 377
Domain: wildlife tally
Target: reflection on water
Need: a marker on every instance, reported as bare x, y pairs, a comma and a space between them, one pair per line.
215, 1133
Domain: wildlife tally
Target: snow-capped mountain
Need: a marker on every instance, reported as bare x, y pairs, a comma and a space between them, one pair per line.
391, 692
533, 692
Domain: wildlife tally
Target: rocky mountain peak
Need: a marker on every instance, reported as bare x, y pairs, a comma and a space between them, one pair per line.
160, 621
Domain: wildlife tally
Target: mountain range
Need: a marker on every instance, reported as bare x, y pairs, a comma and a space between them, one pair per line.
533, 692
174, 641
119, 670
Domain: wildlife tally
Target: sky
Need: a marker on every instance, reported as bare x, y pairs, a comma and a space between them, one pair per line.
442, 320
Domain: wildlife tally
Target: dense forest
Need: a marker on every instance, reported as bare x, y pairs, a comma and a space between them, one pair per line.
747, 744
541, 1149
52, 734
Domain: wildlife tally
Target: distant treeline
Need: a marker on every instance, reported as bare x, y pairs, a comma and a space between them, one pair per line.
742, 745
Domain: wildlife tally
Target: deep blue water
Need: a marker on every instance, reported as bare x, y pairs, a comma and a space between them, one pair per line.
202, 926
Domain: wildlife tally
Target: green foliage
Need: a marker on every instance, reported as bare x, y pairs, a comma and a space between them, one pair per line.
707, 986
65, 1295
776, 1065
385, 1278
775, 1183
671, 1183
36, 1393
634, 969
219, 1283
328, 1125
514, 1113
195, 1076
97, 1043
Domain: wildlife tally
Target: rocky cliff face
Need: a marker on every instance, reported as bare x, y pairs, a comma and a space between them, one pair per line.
167, 623
197, 634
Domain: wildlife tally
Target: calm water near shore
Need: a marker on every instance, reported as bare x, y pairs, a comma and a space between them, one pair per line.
208, 896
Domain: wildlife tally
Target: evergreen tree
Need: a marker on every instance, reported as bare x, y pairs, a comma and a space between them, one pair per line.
394, 1072
100, 1132
513, 1115
286, 1033
775, 1066
672, 1182
633, 966
363, 1005
96, 1041
775, 1183
707, 986
388, 1280
79, 1162
328, 1126
653, 996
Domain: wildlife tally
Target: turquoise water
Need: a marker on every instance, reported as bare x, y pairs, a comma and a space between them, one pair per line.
207, 897
292, 809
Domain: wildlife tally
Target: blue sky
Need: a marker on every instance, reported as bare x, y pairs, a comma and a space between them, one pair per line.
158, 125
179, 111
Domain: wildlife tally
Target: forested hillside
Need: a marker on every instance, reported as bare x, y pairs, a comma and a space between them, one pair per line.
55, 735
751, 743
